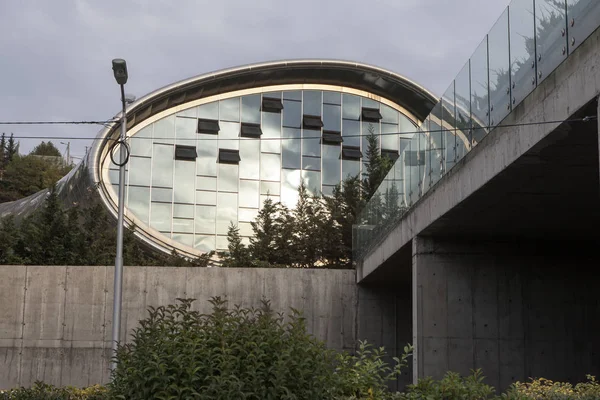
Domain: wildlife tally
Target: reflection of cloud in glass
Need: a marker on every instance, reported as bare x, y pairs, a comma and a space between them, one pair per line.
290, 180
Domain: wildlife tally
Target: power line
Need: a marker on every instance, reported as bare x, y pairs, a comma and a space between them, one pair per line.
173, 138
58, 122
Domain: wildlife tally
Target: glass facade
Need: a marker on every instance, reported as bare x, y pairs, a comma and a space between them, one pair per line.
193, 200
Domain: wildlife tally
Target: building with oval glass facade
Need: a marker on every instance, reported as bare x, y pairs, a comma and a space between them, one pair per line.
209, 150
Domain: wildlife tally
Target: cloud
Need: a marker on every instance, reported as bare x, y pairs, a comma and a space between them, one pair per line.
56, 55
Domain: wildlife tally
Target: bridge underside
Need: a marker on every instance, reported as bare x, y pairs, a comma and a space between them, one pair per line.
505, 278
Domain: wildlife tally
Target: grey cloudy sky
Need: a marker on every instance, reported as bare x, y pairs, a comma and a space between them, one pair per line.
55, 55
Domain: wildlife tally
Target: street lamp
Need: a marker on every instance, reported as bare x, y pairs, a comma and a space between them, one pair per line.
119, 67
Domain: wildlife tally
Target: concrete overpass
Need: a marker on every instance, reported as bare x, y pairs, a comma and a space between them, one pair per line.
497, 266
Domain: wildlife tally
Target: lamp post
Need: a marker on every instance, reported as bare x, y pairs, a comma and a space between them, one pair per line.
119, 67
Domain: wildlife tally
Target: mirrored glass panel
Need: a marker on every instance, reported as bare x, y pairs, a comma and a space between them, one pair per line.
269, 167
369, 103
389, 136
290, 180
204, 243
312, 180
332, 98
185, 239
332, 120
331, 164
248, 194
311, 163
522, 49
499, 60
163, 158
185, 131
251, 108
138, 202
229, 109
271, 128
207, 149
185, 180
183, 226
226, 211
272, 188
183, 211
350, 107
229, 135
388, 114
228, 178
206, 197
293, 95
311, 143
292, 114
209, 110
351, 132
311, 102
205, 219
138, 171
164, 130
141, 142
249, 158
290, 156
247, 214
480, 111
160, 194
161, 216
206, 183
350, 168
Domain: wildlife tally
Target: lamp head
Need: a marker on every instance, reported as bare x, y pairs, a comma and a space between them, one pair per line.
119, 67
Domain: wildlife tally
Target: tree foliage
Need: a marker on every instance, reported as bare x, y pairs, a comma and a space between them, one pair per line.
46, 149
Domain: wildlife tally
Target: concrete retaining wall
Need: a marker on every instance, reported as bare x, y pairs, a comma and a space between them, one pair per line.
55, 322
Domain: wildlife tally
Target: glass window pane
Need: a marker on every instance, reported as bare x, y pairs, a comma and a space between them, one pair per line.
160, 194
350, 107
207, 149
138, 171
311, 102
209, 110
205, 219
293, 95
206, 183
290, 180
141, 142
522, 33
332, 118
163, 157
550, 23
389, 136
350, 168
228, 178
222, 243
189, 112
271, 128
270, 167
327, 190
499, 61
251, 108
291, 148
183, 226
480, 110
463, 107
161, 217
367, 129
311, 163
229, 135
245, 229
332, 98
185, 180
185, 131
388, 114
164, 130
311, 143
226, 211
369, 103
205, 197
272, 95
248, 194
247, 214
292, 114
272, 188
351, 132
204, 243
138, 202
312, 180
331, 165
585, 14
183, 210
263, 198
229, 110
183, 238
249, 155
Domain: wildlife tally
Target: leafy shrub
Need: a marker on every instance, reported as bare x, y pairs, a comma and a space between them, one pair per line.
545, 389
240, 354
42, 391
452, 386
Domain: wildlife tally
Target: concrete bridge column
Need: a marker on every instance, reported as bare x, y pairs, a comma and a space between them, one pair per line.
515, 309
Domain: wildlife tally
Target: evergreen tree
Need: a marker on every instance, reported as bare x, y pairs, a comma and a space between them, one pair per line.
3, 152
377, 166
237, 255
46, 149
9, 237
12, 149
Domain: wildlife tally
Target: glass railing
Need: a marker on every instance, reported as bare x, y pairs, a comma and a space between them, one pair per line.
529, 40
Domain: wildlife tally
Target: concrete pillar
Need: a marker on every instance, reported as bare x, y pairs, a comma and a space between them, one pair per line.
515, 310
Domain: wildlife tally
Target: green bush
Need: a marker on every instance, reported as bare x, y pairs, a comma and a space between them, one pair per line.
544, 389
240, 354
451, 387
42, 391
